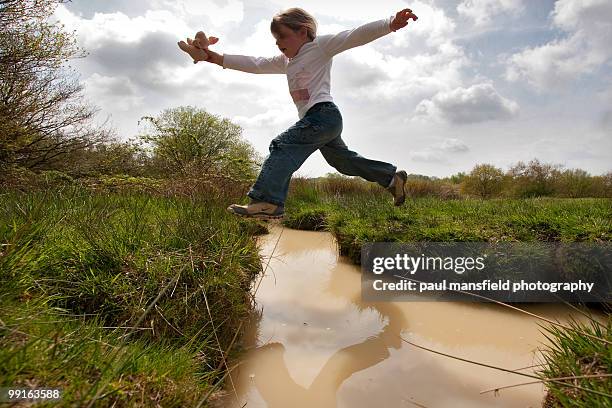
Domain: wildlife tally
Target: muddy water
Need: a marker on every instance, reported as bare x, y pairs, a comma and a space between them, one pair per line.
317, 345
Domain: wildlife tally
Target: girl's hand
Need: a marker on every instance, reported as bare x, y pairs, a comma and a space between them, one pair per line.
401, 19
198, 49
198, 54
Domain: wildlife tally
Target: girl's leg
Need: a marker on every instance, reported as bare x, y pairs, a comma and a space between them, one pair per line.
290, 149
351, 163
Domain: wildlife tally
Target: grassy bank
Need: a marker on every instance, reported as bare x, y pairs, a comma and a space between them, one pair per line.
356, 213
121, 298
360, 214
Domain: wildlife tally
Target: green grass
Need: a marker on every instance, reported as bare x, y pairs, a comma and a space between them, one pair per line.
105, 293
369, 216
101, 263
43, 347
572, 355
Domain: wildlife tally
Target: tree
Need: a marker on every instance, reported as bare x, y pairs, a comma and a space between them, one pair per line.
485, 180
190, 141
42, 112
112, 157
575, 183
534, 179
457, 178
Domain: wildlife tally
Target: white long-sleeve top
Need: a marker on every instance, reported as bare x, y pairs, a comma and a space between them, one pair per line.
309, 72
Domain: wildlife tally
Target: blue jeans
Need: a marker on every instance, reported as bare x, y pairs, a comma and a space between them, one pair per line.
320, 129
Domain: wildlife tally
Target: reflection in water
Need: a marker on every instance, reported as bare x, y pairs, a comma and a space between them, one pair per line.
317, 344
322, 391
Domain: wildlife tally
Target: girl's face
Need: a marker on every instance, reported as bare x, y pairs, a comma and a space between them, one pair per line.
288, 41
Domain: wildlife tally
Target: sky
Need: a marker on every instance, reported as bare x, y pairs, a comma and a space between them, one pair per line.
470, 82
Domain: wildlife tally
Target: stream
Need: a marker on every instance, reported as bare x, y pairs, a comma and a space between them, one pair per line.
316, 344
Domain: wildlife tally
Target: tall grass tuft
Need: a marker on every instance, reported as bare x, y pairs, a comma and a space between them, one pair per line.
104, 258
572, 355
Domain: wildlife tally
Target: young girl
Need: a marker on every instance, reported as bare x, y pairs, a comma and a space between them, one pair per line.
306, 59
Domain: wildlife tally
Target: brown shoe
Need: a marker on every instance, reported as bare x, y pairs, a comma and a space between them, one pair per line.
258, 209
398, 188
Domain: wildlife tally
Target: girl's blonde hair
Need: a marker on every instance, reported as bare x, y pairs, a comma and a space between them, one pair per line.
295, 18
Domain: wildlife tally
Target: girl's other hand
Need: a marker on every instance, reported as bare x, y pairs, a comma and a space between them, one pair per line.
401, 19
194, 52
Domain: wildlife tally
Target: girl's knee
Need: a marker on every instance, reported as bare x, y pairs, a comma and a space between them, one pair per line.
274, 145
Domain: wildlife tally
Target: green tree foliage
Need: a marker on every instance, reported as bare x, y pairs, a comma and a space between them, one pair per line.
112, 157
485, 180
534, 179
576, 183
42, 113
457, 178
605, 181
187, 141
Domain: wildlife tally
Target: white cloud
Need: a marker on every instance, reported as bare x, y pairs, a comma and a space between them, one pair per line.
342, 10
579, 14
483, 12
113, 93
259, 43
274, 118
584, 49
452, 145
408, 65
604, 99
433, 27
440, 152
478, 103
428, 156
118, 26
181, 18
217, 15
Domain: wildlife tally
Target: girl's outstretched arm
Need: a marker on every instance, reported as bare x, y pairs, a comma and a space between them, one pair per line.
344, 40
214, 58
255, 65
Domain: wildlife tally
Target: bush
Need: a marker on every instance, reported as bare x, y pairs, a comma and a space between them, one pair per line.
485, 181
534, 179
190, 142
54, 177
24, 179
